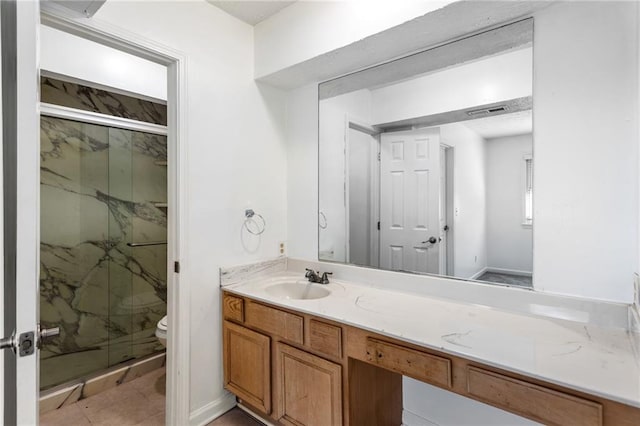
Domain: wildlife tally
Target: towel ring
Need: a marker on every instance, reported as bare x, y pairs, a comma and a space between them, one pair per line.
250, 215
324, 218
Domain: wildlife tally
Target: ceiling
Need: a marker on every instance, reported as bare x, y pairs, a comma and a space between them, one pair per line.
517, 123
251, 12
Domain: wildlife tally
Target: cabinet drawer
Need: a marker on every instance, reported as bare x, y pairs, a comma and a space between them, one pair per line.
409, 362
535, 402
274, 321
325, 338
233, 308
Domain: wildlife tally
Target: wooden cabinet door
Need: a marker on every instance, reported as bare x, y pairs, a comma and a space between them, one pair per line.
309, 389
247, 364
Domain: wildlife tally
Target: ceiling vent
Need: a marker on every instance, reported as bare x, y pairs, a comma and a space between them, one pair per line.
84, 8
488, 111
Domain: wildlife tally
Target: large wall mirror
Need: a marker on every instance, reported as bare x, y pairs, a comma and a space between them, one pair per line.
426, 163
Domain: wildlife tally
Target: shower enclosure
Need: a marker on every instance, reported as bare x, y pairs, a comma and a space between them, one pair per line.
103, 257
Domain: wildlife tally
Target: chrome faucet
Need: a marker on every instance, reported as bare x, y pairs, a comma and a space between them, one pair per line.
313, 276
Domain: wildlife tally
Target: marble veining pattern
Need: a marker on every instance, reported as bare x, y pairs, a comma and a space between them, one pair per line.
98, 188
585, 357
236, 274
87, 98
508, 299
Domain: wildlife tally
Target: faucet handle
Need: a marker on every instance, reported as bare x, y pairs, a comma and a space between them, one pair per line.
311, 275
325, 278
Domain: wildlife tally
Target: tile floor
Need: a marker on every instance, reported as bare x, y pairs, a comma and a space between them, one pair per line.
235, 417
509, 279
140, 402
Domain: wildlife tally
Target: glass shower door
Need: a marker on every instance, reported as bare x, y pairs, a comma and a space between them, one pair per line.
74, 249
103, 199
138, 293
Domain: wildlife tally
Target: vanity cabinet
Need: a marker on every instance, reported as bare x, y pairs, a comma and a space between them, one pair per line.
285, 365
298, 369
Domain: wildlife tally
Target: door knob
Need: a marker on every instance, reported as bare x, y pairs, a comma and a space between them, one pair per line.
431, 240
8, 343
26, 343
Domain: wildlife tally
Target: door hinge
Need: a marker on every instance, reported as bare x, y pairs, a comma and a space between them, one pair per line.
176, 267
378, 156
378, 225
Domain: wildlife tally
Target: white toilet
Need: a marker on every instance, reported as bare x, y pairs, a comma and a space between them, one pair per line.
161, 331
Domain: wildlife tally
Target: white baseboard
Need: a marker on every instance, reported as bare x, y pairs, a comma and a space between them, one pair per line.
412, 419
478, 274
212, 410
509, 271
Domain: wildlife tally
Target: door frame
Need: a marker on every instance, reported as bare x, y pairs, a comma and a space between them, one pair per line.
178, 351
446, 193
20, 214
360, 126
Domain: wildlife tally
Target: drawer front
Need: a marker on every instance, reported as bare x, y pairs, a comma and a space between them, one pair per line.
325, 338
535, 402
419, 365
274, 321
233, 308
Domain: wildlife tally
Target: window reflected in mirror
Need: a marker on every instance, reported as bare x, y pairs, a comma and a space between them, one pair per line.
426, 162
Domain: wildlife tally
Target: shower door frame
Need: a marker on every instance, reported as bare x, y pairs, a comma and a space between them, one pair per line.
178, 352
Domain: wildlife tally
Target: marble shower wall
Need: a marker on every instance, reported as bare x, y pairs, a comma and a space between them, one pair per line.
88, 98
101, 188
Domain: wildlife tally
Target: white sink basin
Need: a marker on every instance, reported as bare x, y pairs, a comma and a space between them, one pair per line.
298, 291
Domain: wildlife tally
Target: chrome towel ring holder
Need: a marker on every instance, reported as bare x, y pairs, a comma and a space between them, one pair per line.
258, 226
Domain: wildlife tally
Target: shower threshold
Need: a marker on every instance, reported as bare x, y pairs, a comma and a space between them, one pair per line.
75, 390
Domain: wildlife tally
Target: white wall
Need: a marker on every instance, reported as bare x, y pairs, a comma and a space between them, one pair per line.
334, 113
494, 79
236, 159
310, 28
585, 142
469, 199
67, 54
509, 243
302, 172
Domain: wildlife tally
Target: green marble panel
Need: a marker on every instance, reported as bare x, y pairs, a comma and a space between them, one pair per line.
88, 98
